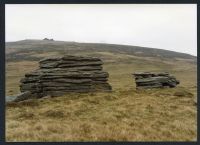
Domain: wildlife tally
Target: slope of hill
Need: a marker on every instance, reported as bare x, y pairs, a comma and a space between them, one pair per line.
125, 114
41, 46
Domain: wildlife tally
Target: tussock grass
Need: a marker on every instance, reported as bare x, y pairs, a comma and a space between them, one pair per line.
125, 114
152, 115
54, 113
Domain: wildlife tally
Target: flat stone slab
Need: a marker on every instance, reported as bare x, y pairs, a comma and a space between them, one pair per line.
70, 58
69, 61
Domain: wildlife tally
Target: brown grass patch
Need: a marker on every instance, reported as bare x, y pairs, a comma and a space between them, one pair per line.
54, 114
126, 114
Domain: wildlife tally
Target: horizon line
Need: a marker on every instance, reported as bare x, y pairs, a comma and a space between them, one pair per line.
102, 43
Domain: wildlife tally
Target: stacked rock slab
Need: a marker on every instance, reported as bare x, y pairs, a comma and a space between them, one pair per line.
154, 80
60, 75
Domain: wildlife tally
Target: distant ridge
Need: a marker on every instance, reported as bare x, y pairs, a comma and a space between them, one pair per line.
38, 46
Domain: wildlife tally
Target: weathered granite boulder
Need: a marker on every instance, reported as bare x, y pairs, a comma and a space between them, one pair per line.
59, 75
154, 80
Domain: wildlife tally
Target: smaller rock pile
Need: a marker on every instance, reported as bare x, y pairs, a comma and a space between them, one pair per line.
60, 75
48, 39
154, 80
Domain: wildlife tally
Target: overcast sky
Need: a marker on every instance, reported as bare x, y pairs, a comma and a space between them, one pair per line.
166, 26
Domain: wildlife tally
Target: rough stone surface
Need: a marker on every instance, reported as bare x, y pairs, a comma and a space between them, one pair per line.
59, 75
148, 80
24, 96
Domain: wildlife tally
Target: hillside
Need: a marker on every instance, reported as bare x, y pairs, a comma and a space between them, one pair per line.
30, 47
125, 114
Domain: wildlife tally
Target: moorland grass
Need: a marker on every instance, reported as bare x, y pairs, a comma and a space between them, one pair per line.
125, 114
